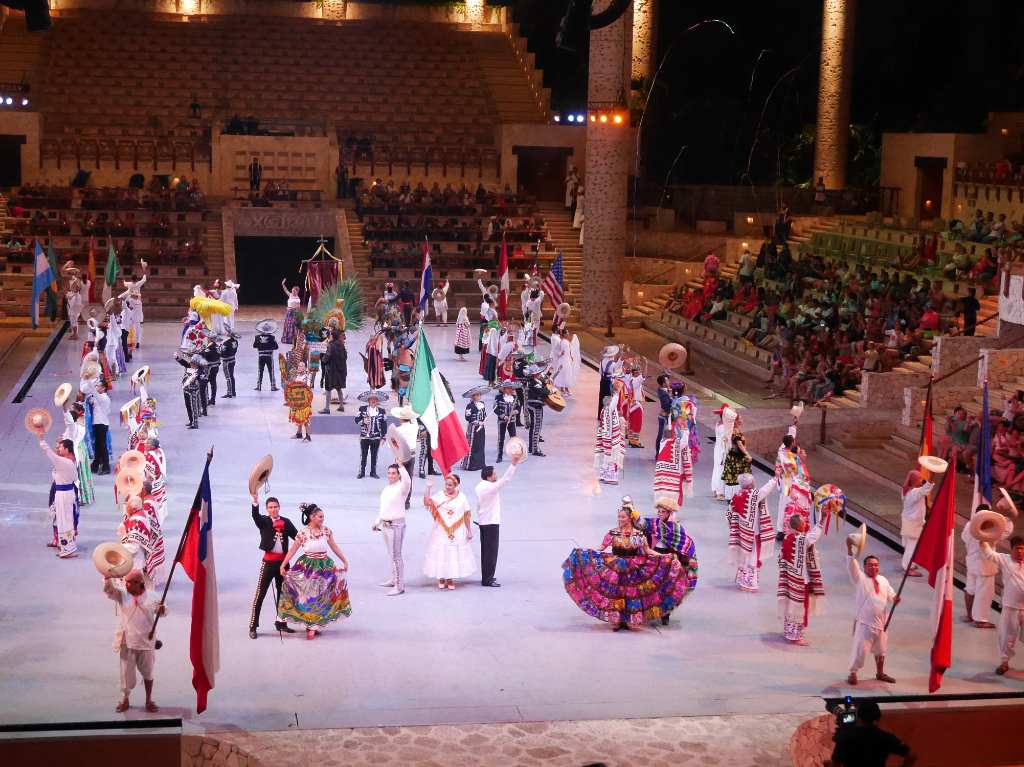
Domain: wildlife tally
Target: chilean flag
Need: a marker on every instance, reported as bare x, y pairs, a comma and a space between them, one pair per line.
196, 557
425, 277
503, 282
429, 399
935, 554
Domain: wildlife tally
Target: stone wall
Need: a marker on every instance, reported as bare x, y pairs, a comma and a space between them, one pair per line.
811, 744
1003, 367
885, 390
944, 399
204, 751
952, 352
834, 80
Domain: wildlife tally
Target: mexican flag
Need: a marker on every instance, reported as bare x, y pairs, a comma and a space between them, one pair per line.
110, 274
429, 399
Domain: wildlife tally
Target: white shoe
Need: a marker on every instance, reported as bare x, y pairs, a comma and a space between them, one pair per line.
395, 592
387, 584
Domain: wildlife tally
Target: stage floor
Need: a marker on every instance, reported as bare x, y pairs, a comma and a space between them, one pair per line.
523, 652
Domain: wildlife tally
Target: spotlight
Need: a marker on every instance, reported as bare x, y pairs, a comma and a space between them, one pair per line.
8, 101
593, 118
558, 119
580, 118
604, 118
618, 119
571, 118
24, 102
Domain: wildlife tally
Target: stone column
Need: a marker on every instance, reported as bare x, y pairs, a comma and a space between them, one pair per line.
605, 178
645, 39
834, 81
475, 11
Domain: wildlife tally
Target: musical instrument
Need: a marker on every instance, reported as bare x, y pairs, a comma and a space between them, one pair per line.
933, 464
858, 540
398, 445
672, 356
61, 395
554, 399
112, 560
260, 474
38, 421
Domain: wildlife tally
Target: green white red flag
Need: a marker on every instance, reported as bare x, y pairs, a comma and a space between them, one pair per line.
429, 399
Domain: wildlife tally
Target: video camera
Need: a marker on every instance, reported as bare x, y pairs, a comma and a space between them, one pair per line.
845, 713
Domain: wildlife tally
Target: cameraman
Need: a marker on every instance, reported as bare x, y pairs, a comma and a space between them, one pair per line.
865, 745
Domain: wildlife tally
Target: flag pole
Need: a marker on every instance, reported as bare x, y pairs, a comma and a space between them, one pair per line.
181, 545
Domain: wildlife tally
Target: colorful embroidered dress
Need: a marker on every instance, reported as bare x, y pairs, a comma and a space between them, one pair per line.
736, 463
671, 536
313, 592
625, 586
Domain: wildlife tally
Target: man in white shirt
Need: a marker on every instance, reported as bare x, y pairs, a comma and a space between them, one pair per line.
63, 495
915, 508
391, 519
488, 518
1011, 622
137, 651
980, 587
409, 431
873, 594
746, 267
100, 402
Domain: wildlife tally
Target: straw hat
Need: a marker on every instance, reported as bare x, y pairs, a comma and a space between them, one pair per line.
563, 310
798, 409
933, 464
516, 448
260, 473
131, 461
403, 413
112, 560
672, 356
987, 526
666, 502
128, 483
266, 326
398, 445
858, 540
381, 395
437, 294
610, 351
61, 395
38, 420
141, 375
492, 291
479, 273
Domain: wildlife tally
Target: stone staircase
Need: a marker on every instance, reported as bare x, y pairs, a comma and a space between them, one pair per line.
566, 240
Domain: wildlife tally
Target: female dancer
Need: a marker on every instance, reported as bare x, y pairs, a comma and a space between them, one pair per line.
450, 552
291, 316
630, 586
314, 591
462, 334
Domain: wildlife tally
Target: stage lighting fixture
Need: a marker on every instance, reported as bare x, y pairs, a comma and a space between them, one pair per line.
8, 101
604, 118
618, 119
24, 102
558, 119
580, 118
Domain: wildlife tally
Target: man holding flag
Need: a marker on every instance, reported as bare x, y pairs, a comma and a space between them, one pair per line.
43, 279
110, 274
426, 277
430, 400
503, 281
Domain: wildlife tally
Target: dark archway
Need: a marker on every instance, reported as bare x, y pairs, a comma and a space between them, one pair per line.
262, 262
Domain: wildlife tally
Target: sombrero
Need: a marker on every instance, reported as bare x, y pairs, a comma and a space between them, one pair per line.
437, 294
933, 464
798, 409
1006, 502
563, 310
131, 461
128, 483
859, 540
482, 389
403, 413
479, 273
112, 560
610, 351
61, 395
38, 420
398, 445
515, 447
666, 502
266, 326
380, 394
232, 284
492, 291
672, 356
987, 526
510, 385
260, 473
142, 375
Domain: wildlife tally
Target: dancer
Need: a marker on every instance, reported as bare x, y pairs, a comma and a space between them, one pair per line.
873, 595
610, 446
489, 354
915, 509
265, 345
143, 541
408, 430
229, 295
462, 334
796, 482
630, 586
737, 461
77, 290
155, 473
450, 551
314, 591
488, 518
190, 386
74, 429
634, 392
63, 495
981, 573
723, 442
212, 367
227, 347
476, 416
801, 588
136, 612
506, 409
131, 308
609, 360
751, 535
1011, 621
673, 470
372, 426
536, 394
665, 414
440, 301
335, 371
665, 535
292, 316
391, 520
275, 532
299, 397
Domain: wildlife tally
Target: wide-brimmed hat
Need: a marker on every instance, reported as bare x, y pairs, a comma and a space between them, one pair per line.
108, 305
437, 294
510, 385
38, 420
933, 464
481, 390
128, 483
403, 413
666, 502
797, 410
61, 395
858, 539
142, 375
398, 444
672, 356
380, 394
610, 351
112, 560
515, 447
260, 473
266, 326
131, 461
563, 310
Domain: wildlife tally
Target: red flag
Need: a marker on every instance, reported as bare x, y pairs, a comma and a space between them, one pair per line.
91, 269
935, 553
503, 282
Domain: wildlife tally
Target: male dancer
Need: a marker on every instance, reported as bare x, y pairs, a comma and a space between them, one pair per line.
536, 393
981, 573
372, 426
275, 532
63, 496
391, 519
212, 357
665, 414
265, 345
100, 402
227, 346
873, 594
506, 408
190, 385
137, 650
1011, 621
488, 519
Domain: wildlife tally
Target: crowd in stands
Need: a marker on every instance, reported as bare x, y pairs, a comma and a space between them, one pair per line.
464, 228
960, 442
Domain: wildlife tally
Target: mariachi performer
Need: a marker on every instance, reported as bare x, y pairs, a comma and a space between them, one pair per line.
275, 532
630, 586
424, 453
227, 347
536, 395
299, 397
190, 385
666, 535
506, 409
211, 354
265, 345
372, 423
476, 415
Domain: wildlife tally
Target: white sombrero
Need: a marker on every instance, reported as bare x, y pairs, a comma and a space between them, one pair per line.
112, 560
131, 461
38, 420
61, 395
260, 473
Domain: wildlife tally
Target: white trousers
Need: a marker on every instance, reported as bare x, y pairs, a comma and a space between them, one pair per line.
394, 533
866, 639
132, 660
1011, 628
983, 589
909, 544
717, 485
441, 312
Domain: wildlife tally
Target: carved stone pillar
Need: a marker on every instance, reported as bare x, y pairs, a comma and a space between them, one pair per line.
645, 39
834, 82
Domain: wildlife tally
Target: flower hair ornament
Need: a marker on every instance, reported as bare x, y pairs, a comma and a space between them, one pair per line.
307, 510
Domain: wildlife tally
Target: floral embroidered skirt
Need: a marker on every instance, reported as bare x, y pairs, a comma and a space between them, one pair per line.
313, 593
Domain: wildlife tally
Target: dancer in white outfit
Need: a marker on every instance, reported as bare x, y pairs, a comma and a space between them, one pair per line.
915, 507
77, 293
874, 595
450, 552
1011, 622
229, 295
391, 519
440, 299
723, 441
980, 589
131, 303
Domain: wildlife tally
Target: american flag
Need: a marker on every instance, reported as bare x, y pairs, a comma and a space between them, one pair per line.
554, 284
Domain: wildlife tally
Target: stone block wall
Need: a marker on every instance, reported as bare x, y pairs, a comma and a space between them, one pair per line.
1002, 366
944, 398
835, 77
205, 751
884, 391
952, 352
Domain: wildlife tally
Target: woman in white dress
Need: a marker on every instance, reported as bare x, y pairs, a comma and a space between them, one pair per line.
563, 364
450, 552
577, 220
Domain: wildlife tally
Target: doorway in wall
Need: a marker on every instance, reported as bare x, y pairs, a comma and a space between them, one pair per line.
10, 159
541, 171
930, 172
262, 262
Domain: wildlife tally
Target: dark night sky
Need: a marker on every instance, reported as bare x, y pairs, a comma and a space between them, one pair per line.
919, 65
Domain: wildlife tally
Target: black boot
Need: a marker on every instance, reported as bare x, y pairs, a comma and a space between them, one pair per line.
362, 472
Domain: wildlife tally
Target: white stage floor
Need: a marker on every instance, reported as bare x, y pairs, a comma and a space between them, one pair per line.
519, 653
